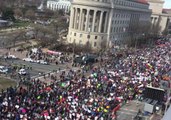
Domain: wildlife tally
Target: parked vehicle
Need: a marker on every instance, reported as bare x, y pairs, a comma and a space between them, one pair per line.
28, 59
3, 69
42, 62
10, 57
22, 72
84, 60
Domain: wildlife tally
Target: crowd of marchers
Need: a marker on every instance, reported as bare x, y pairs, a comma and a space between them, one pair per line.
75, 96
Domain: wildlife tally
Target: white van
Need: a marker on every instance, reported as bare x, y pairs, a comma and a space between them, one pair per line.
3, 69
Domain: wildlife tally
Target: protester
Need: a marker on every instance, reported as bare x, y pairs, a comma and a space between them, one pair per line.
74, 96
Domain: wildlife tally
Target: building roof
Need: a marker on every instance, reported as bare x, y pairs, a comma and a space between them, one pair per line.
140, 1
166, 11
143, 1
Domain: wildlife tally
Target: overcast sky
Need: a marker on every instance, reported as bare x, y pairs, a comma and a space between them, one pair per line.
167, 4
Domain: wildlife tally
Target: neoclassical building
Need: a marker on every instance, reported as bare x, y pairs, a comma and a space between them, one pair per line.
59, 4
159, 17
105, 22
168, 12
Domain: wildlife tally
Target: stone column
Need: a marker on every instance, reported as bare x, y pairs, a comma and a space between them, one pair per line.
87, 20
71, 18
94, 20
57, 6
106, 22
80, 19
155, 20
101, 19
83, 19
75, 18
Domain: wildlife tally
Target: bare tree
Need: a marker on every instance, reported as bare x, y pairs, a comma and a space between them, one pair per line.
165, 32
45, 35
156, 28
18, 13
30, 14
133, 31
48, 14
139, 33
37, 28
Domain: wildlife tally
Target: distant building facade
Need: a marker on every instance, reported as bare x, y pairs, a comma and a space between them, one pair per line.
59, 5
169, 26
168, 12
99, 22
159, 17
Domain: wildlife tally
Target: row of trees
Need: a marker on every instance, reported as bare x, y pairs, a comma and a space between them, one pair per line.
19, 9
18, 3
12, 14
32, 13
46, 34
51, 34
143, 33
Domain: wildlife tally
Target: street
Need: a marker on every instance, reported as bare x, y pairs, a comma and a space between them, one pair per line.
130, 110
36, 68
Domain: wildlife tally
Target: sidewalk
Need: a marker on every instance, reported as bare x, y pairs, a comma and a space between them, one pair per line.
12, 51
47, 79
155, 117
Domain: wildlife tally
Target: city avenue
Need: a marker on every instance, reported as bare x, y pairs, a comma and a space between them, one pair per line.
37, 68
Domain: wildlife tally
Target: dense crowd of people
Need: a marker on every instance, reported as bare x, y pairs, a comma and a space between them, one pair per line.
75, 96
50, 57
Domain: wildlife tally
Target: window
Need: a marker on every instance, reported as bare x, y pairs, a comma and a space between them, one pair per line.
94, 44
88, 36
91, 19
95, 37
81, 35
80, 42
114, 30
75, 34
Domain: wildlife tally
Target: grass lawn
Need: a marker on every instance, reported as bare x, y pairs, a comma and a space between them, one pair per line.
5, 83
21, 24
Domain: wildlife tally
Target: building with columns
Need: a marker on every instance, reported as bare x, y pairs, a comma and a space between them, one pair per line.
159, 17
168, 12
105, 22
59, 5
